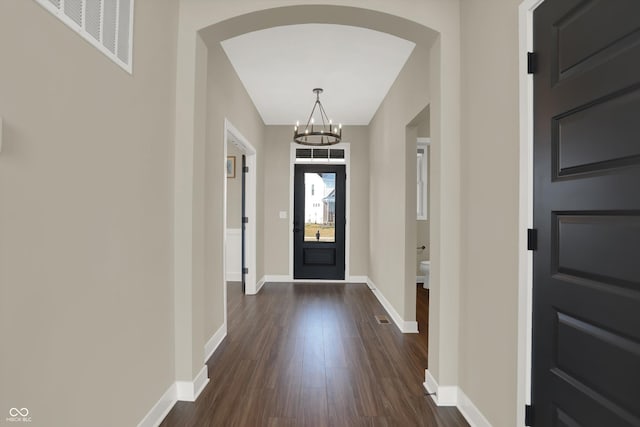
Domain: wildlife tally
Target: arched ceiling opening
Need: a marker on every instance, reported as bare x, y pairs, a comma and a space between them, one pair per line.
281, 54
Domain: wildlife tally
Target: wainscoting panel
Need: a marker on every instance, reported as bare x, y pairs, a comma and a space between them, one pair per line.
233, 255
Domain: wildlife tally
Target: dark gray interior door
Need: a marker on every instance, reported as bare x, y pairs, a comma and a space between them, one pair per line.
319, 222
243, 267
586, 278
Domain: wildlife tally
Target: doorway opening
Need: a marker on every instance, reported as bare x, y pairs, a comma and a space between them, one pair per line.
240, 210
423, 261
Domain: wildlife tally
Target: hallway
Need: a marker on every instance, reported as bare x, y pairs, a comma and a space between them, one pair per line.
314, 355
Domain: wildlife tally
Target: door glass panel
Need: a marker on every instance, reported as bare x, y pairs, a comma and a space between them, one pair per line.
319, 207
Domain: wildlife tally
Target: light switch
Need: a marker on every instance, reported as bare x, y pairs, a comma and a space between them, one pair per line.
283, 214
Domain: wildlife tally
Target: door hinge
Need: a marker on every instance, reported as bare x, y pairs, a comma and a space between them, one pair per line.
245, 270
532, 62
528, 416
532, 239
245, 169
245, 220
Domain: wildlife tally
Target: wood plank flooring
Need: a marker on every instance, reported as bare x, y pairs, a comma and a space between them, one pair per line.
314, 355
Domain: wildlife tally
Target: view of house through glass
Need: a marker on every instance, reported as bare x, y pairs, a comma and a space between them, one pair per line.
319, 207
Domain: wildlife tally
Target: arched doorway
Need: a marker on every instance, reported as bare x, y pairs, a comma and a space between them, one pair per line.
203, 24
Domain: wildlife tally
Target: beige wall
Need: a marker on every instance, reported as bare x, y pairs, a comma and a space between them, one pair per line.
234, 190
85, 221
226, 99
424, 125
392, 203
277, 232
277, 198
489, 294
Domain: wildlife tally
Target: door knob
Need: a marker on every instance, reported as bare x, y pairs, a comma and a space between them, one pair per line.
297, 230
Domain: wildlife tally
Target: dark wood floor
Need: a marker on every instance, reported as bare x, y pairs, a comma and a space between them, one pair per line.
314, 355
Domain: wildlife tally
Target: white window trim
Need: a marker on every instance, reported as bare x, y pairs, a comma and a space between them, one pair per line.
423, 143
59, 13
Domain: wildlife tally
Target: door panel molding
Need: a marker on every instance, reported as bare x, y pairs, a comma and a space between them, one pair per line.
525, 266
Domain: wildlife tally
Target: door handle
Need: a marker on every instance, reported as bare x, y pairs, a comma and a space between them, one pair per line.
297, 230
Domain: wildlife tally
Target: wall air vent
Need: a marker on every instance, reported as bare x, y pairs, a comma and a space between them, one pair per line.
106, 24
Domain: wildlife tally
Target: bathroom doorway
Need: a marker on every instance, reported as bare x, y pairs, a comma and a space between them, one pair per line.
423, 263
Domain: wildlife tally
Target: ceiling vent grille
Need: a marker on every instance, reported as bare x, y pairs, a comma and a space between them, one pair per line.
106, 24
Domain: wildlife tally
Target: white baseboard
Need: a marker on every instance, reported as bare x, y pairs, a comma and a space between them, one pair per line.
200, 381
441, 395
431, 385
277, 278
184, 390
214, 342
407, 327
470, 412
358, 279
420, 279
159, 411
454, 396
410, 327
188, 391
370, 284
260, 284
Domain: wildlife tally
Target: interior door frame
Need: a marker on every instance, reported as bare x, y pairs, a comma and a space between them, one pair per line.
347, 230
250, 198
525, 209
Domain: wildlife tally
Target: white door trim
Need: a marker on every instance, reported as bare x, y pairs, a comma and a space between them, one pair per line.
525, 220
250, 200
347, 230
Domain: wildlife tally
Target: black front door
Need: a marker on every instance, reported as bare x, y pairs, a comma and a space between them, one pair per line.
586, 270
319, 222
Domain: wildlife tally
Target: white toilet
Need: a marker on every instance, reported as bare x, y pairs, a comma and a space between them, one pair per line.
424, 268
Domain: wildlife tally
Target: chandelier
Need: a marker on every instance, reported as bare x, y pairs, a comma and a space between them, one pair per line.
317, 134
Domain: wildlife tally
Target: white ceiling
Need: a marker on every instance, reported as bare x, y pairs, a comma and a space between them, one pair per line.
280, 66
